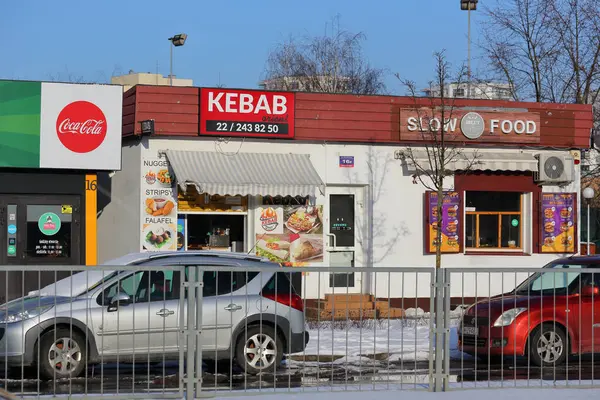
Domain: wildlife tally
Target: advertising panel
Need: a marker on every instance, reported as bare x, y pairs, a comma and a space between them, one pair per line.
297, 239
60, 125
159, 230
449, 223
558, 223
249, 113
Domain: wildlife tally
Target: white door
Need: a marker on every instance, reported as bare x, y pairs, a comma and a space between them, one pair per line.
346, 230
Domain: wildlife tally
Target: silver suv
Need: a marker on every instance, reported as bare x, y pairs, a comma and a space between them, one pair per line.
100, 316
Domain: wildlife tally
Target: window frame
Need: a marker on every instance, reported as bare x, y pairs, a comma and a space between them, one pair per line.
518, 249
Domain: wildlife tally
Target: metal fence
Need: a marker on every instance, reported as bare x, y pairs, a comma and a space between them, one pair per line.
191, 332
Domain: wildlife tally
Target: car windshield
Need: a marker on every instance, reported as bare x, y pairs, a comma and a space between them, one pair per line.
561, 280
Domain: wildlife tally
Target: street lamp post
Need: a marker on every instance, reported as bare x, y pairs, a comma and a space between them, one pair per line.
176, 41
468, 5
588, 194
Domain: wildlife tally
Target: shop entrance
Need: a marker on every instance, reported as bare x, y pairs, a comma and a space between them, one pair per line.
38, 230
219, 232
345, 232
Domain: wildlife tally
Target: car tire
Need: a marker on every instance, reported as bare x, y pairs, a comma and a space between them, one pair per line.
63, 354
254, 361
548, 346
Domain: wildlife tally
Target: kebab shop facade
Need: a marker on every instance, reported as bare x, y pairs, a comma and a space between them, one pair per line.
324, 180
56, 138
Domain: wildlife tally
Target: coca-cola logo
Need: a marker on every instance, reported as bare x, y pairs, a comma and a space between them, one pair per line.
81, 126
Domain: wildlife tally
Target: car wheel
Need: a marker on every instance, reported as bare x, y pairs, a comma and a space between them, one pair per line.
548, 346
259, 350
63, 354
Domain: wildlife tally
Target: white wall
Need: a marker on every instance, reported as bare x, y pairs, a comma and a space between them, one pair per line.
119, 222
397, 218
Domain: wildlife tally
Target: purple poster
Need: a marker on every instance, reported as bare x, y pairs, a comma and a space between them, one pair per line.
558, 223
450, 224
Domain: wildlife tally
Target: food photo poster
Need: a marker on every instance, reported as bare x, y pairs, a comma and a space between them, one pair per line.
159, 206
290, 235
558, 223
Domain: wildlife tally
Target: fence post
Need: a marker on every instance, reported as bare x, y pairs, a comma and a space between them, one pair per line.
198, 341
190, 331
447, 298
441, 332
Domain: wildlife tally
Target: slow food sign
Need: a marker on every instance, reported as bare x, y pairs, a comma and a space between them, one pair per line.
471, 126
249, 113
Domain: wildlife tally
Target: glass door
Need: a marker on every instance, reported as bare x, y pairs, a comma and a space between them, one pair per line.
345, 235
38, 230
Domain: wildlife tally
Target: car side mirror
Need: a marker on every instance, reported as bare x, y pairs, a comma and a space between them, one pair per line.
590, 291
120, 299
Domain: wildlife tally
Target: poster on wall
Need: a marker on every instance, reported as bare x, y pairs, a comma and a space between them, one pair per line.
159, 206
300, 241
449, 223
181, 233
558, 223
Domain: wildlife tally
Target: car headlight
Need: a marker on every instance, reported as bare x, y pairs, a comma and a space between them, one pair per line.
508, 317
23, 315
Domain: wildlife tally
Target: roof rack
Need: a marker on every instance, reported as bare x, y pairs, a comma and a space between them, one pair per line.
208, 253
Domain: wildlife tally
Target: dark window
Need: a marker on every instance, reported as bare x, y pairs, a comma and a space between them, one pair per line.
341, 219
279, 283
144, 286
217, 283
493, 220
48, 232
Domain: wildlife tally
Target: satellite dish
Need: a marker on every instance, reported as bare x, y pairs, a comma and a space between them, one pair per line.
554, 167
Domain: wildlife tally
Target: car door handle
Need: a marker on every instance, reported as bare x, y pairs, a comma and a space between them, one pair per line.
165, 313
233, 307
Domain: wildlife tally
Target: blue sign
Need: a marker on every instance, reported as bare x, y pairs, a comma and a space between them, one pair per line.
12, 229
346, 161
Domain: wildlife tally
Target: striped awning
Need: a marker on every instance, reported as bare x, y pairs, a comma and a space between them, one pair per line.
479, 160
255, 174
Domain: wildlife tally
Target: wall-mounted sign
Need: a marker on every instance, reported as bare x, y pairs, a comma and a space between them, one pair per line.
449, 223
159, 206
477, 126
346, 161
249, 113
269, 220
68, 126
558, 223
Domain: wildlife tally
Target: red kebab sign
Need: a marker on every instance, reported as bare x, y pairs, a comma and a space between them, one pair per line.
250, 113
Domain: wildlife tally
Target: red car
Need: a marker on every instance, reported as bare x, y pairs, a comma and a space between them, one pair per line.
551, 315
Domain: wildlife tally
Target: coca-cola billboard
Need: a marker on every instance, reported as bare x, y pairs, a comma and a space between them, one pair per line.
81, 126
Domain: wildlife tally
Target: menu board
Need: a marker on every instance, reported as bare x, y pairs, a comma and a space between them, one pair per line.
159, 206
558, 223
450, 222
299, 237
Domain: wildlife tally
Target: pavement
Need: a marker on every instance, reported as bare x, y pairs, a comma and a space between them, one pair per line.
138, 379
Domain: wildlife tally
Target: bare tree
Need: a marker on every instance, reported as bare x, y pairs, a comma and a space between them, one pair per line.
442, 145
375, 233
331, 63
548, 50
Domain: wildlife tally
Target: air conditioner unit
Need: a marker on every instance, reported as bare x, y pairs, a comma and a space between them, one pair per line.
555, 168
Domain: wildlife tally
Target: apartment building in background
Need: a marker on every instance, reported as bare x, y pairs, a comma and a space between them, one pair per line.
146, 78
478, 90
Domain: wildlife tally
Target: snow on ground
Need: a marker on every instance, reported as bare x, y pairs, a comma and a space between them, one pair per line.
358, 341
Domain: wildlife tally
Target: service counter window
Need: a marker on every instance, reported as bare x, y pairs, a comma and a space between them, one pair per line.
494, 220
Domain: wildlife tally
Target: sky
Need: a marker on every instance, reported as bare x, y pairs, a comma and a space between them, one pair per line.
228, 41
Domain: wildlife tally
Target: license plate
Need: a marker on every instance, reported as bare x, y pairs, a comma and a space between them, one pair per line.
470, 330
